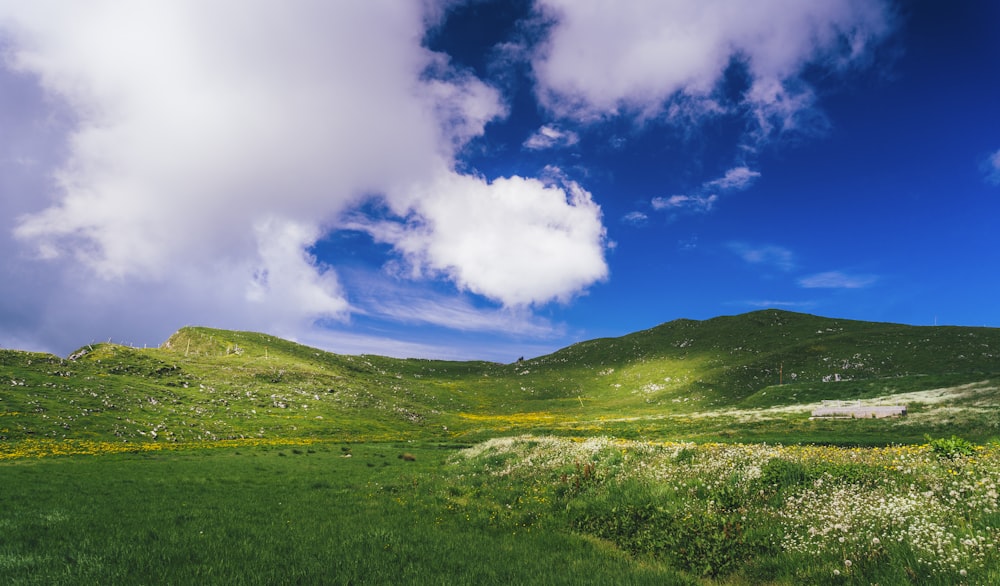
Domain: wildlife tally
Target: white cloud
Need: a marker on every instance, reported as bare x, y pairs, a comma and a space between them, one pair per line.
779, 107
548, 137
352, 343
737, 178
462, 316
635, 218
694, 203
514, 240
190, 129
837, 280
992, 168
384, 296
460, 348
213, 143
289, 278
767, 254
771, 303
655, 58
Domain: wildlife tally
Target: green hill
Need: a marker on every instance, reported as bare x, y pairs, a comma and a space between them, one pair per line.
754, 376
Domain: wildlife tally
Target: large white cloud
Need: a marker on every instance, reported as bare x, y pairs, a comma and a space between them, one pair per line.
668, 57
196, 119
516, 240
212, 143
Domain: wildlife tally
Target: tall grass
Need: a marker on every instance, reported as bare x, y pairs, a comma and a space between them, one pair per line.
760, 513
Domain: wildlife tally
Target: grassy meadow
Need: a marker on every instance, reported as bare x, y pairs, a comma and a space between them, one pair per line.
320, 513
684, 454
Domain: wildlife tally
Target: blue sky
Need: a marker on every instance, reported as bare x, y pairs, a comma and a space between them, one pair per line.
492, 180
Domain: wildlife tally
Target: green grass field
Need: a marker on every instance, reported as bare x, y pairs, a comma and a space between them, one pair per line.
280, 515
533, 509
682, 454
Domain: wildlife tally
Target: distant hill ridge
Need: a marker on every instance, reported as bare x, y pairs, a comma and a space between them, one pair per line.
205, 384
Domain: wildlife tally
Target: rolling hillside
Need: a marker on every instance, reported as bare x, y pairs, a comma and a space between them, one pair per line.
748, 377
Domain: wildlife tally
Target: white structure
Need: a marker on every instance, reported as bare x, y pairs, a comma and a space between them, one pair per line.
855, 410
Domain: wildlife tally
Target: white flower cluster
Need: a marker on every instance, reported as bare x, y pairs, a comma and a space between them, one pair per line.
857, 520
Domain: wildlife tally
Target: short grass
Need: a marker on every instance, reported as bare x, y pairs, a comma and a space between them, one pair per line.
324, 514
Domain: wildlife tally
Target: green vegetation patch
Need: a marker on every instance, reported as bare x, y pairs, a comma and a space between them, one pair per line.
759, 513
325, 514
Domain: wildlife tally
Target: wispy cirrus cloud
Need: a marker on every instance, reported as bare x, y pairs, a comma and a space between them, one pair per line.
636, 218
765, 254
991, 168
837, 280
692, 203
707, 196
737, 178
465, 317
765, 303
350, 341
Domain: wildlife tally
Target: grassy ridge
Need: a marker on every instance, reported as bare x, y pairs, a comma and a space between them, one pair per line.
721, 361
716, 379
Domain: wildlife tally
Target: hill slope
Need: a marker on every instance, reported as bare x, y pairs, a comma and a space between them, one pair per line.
751, 376
727, 360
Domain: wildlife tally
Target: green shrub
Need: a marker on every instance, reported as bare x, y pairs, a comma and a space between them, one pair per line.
690, 535
703, 542
951, 448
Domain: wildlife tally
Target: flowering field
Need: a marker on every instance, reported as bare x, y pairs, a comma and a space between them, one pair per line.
43, 448
791, 514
